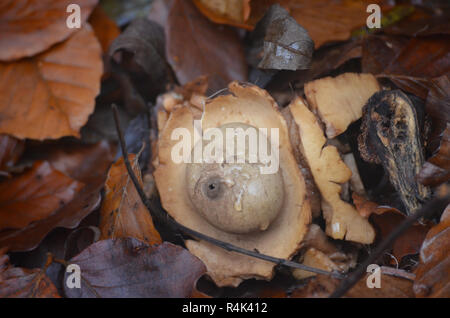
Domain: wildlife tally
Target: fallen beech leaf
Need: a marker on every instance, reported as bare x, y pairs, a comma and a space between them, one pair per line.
52, 94
339, 101
16, 282
34, 195
192, 50
421, 57
280, 43
329, 171
29, 27
328, 21
127, 267
433, 272
123, 214
67, 216
386, 219
10, 151
82, 162
104, 28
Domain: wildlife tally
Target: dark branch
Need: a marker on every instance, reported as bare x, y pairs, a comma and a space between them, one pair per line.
164, 217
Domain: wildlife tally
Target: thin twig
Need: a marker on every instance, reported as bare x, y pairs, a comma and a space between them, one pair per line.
164, 216
434, 205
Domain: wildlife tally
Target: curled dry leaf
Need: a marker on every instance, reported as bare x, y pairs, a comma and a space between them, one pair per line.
339, 101
433, 272
88, 164
329, 172
18, 282
191, 52
213, 199
279, 42
140, 51
386, 219
52, 94
34, 195
30, 27
10, 150
127, 267
123, 214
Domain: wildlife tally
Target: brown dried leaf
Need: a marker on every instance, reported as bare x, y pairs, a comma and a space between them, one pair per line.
18, 282
127, 267
328, 21
123, 214
433, 272
232, 12
407, 60
386, 219
52, 94
68, 216
10, 151
196, 46
34, 195
30, 27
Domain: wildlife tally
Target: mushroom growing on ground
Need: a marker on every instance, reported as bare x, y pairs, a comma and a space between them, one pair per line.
234, 202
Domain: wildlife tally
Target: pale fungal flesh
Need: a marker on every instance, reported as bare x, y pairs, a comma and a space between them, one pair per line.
287, 222
338, 101
329, 172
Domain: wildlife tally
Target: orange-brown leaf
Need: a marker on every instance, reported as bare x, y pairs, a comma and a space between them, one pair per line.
52, 94
34, 195
105, 29
123, 214
433, 272
28, 27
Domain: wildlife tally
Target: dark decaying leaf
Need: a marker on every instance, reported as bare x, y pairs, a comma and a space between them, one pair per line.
128, 267
123, 214
438, 108
140, 51
437, 169
195, 46
16, 282
279, 42
137, 136
433, 272
30, 27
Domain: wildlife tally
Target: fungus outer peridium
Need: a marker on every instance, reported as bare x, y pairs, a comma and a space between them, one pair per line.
252, 106
329, 171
